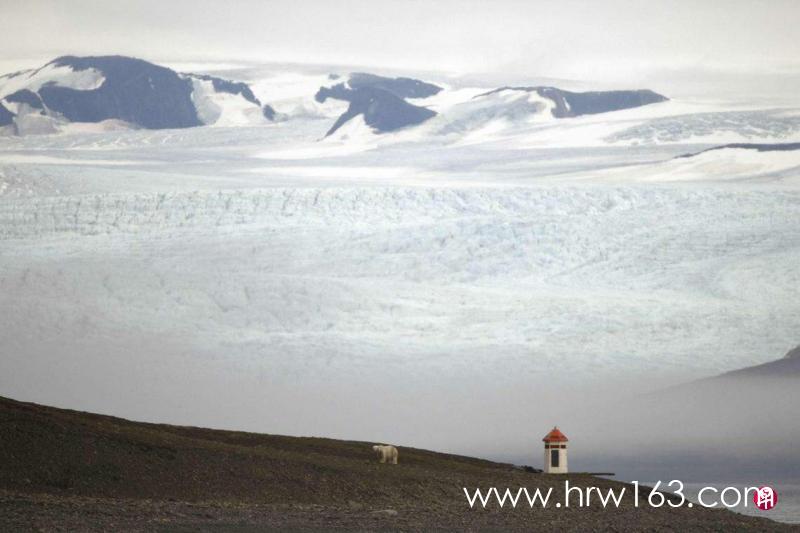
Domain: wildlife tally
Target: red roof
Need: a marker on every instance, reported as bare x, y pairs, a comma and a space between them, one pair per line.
555, 436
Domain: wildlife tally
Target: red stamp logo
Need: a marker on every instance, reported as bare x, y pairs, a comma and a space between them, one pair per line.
765, 498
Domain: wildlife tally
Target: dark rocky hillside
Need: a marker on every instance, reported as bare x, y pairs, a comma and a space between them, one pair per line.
72, 471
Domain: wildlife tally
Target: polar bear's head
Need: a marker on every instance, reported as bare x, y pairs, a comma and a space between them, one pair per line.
376, 448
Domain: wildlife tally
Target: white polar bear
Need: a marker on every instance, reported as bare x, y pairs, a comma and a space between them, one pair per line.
385, 453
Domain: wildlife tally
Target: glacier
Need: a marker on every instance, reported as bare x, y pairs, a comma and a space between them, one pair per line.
560, 284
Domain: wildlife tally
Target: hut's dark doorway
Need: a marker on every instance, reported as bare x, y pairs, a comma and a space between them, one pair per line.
554, 458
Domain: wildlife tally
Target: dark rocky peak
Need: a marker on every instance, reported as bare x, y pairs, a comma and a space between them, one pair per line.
382, 110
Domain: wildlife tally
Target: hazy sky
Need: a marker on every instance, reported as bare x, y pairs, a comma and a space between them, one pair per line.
590, 40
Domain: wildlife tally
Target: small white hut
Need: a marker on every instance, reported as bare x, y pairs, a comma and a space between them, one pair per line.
555, 452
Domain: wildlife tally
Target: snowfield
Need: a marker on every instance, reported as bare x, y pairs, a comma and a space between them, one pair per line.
180, 275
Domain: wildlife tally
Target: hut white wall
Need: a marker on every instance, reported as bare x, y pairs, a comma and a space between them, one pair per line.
562, 459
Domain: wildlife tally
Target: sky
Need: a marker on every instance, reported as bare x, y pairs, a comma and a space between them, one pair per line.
612, 40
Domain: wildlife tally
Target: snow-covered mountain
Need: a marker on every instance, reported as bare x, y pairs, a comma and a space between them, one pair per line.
571, 104
364, 110
224, 102
117, 91
384, 103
